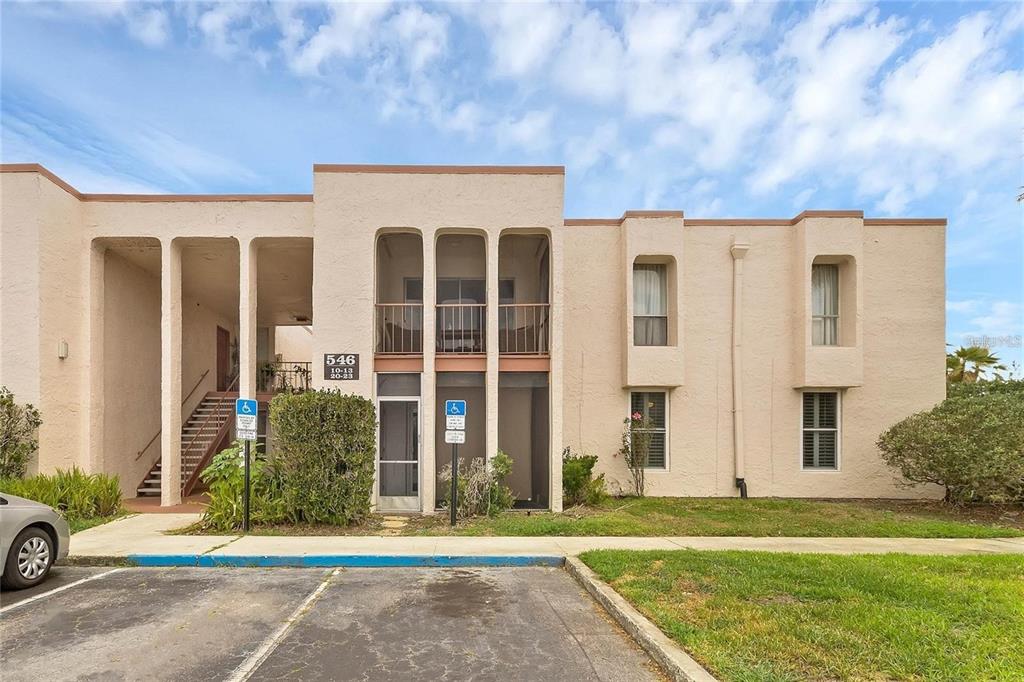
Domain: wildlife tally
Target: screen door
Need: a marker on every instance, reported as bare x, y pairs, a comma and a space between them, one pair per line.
399, 453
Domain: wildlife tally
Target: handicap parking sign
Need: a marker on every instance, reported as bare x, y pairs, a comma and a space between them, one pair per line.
246, 410
455, 415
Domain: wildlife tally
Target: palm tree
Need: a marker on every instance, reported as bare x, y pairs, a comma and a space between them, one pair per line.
967, 365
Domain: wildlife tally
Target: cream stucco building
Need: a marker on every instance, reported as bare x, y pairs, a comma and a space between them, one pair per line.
765, 352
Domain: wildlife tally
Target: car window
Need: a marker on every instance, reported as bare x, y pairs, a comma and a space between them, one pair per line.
3, 500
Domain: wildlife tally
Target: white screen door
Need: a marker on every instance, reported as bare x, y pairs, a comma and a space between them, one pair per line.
398, 464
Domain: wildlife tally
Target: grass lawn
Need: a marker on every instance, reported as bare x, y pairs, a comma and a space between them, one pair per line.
676, 516
762, 616
78, 525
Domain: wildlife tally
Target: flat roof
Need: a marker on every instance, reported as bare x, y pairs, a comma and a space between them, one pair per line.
457, 170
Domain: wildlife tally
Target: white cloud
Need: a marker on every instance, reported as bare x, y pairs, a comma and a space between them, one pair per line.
943, 110
348, 33
584, 152
963, 307
522, 36
801, 199
531, 131
424, 35
1003, 318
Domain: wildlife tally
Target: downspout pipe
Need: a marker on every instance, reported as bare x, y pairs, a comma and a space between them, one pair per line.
738, 250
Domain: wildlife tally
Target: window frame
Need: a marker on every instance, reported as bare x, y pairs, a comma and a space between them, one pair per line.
825, 318
629, 413
664, 269
838, 430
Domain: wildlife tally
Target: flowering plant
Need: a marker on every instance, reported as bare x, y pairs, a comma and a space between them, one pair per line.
636, 444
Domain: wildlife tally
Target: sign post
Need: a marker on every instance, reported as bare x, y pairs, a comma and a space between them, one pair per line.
246, 411
455, 433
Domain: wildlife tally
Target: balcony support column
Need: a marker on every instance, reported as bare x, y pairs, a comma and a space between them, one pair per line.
247, 264
491, 344
170, 373
428, 380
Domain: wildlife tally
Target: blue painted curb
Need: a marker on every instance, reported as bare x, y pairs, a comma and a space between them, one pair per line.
343, 560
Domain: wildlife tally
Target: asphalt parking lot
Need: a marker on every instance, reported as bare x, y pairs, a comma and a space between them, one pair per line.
312, 624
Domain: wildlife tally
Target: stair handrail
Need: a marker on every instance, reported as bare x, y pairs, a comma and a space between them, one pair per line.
216, 412
160, 430
200, 465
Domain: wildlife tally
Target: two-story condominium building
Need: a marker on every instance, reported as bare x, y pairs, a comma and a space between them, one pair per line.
768, 354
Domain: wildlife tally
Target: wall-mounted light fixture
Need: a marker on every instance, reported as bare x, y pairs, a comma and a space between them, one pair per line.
62, 349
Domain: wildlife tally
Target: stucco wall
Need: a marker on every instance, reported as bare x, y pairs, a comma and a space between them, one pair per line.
903, 331
131, 385
890, 364
293, 344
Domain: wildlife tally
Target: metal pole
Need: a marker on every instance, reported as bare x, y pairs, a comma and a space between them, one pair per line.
245, 494
455, 481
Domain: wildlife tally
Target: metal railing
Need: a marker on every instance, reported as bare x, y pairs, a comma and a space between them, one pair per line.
523, 328
284, 377
399, 328
204, 450
461, 327
160, 430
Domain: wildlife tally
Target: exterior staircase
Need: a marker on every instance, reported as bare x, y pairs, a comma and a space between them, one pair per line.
202, 435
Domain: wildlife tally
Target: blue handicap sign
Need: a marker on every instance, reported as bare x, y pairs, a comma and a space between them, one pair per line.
453, 408
246, 406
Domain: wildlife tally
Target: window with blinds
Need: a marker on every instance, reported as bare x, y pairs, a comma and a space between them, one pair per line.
653, 406
820, 430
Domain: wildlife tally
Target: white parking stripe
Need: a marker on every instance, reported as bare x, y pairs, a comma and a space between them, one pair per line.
58, 589
256, 658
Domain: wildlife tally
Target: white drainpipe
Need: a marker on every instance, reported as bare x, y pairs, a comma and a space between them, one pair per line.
738, 250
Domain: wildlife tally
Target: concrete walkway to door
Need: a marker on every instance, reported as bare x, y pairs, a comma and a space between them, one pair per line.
146, 534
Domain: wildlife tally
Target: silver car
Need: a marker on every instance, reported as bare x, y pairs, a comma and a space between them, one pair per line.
32, 537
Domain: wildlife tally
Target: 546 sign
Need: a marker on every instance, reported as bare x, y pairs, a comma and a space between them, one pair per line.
341, 366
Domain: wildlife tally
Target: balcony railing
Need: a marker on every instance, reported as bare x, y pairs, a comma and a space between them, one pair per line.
284, 377
400, 328
461, 327
523, 328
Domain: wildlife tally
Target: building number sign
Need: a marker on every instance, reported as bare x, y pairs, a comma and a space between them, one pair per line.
341, 366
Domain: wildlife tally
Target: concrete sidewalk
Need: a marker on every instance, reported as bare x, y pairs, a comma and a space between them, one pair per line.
144, 534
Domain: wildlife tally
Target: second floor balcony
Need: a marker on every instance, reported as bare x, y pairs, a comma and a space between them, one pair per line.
524, 328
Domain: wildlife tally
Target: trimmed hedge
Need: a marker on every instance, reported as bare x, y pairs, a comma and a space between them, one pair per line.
972, 443
324, 454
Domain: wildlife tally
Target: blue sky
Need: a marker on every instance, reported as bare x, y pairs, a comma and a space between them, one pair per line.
734, 109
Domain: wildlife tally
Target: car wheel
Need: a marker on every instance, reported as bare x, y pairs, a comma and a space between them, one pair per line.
29, 559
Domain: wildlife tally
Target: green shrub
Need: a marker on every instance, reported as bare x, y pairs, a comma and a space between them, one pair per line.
225, 478
578, 483
972, 444
19, 425
324, 452
481, 492
74, 493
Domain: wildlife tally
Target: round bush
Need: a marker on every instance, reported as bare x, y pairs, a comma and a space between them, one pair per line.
324, 451
972, 444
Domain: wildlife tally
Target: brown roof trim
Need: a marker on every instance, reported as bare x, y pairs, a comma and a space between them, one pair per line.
438, 170
827, 214
786, 222
178, 198
580, 222
940, 222
651, 214
148, 198
36, 168
754, 222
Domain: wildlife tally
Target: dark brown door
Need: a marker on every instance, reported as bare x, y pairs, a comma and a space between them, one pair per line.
223, 358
